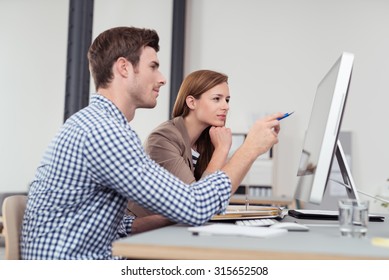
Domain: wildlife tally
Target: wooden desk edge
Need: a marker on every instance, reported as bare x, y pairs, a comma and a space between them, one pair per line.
158, 252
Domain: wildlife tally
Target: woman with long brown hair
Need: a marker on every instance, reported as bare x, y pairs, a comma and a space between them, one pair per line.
195, 142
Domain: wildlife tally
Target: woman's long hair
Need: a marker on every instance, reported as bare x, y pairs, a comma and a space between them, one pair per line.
195, 84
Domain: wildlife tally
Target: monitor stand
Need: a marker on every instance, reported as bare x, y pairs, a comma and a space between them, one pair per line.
348, 181
351, 190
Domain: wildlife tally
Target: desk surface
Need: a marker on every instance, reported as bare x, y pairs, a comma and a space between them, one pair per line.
321, 242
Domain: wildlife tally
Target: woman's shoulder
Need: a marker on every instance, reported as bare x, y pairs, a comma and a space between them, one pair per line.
166, 136
169, 130
172, 126
166, 127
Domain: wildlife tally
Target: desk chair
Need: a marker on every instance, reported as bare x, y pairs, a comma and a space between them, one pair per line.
13, 211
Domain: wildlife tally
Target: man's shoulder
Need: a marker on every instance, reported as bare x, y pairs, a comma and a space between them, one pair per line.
87, 116
92, 120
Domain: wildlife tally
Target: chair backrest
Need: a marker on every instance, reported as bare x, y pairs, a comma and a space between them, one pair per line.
13, 212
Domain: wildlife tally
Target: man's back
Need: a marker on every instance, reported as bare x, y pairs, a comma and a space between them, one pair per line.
68, 202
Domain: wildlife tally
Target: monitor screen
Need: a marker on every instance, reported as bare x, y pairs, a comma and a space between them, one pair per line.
321, 139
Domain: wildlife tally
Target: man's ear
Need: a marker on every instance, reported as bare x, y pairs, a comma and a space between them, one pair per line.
123, 66
190, 102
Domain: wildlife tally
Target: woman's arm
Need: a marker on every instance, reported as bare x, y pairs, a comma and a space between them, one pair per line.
221, 138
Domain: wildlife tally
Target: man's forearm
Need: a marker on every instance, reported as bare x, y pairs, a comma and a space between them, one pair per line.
149, 222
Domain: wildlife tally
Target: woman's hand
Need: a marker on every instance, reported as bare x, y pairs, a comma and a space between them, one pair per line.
221, 138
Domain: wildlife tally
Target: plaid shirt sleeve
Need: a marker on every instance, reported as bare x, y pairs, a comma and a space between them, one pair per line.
117, 159
125, 226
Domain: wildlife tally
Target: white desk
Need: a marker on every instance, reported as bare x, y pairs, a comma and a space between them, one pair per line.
324, 242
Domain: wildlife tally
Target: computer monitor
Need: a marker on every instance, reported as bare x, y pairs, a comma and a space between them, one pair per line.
321, 142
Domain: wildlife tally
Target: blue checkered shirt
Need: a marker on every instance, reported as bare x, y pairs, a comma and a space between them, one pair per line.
94, 165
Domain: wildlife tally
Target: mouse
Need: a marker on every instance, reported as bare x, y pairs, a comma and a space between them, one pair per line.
290, 226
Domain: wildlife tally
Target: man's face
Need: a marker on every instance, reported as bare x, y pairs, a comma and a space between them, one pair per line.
147, 80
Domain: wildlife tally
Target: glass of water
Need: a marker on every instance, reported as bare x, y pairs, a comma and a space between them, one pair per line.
353, 217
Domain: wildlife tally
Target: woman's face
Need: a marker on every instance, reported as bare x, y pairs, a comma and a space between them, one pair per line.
212, 106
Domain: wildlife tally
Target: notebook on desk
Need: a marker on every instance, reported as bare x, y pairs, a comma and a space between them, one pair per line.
325, 215
239, 212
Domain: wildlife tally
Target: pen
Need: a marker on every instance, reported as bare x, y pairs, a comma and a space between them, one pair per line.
285, 116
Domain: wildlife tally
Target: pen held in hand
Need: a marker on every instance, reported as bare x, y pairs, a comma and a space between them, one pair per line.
285, 116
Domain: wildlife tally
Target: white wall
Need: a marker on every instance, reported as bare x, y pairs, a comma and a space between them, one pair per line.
32, 78
276, 52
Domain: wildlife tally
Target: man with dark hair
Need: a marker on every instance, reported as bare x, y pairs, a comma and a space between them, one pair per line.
96, 163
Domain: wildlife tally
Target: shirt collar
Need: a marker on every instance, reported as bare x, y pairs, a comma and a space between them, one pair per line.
108, 106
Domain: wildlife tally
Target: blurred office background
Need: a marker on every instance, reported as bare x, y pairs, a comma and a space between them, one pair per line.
274, 52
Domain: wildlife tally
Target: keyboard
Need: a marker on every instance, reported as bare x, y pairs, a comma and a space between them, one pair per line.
256, 222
